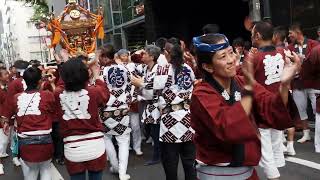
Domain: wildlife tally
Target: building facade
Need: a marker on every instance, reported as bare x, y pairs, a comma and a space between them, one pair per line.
124, 22
133, 23
20, 37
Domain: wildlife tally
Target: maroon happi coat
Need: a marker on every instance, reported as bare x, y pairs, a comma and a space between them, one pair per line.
303, 81
218, 125
260, 66
3, 96
310, 71
28, 122
14, 87
99, 95
268, 65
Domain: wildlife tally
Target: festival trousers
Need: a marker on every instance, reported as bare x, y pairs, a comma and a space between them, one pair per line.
123, 143
135, 130
92, 176
31, 170
170, 153
4, 140
272, 152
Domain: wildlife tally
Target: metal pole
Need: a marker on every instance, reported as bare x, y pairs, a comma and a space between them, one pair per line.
112, 22
266, 9
40, 46
255, 13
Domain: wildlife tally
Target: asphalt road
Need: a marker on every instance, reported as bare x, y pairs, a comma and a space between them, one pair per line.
304, 166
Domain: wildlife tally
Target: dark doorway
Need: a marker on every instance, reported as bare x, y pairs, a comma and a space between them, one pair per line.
185, 20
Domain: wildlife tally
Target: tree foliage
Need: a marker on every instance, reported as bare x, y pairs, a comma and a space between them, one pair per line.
41, 12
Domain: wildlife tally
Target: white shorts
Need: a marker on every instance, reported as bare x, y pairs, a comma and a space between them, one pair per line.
301, 99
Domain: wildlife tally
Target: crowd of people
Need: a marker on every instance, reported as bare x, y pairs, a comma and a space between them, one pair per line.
221, 108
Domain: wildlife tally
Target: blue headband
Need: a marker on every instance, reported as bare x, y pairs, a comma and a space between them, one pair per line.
204, 47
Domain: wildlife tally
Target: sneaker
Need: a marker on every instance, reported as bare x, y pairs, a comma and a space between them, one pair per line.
149, 140
16, 161
152, 162
124, 177
139, 152
1, 169
306, 136
284, 148
113, 170
290, 149
4, 155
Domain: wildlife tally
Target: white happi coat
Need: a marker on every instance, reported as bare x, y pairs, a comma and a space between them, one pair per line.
117, 78
154, 81
175, 125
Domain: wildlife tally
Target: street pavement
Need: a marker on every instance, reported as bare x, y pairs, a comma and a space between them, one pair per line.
304, 166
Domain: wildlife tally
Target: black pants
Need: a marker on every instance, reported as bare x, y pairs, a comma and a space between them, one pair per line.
154, 133
170, 153
57, 141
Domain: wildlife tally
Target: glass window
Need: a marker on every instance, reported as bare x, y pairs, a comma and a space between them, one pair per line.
127, 10
305, 12
117, 30
117, 41
107, 38
94, 4
116, 5
106, 13
117, 18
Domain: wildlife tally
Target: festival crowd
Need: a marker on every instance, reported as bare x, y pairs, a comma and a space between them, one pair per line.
220, 108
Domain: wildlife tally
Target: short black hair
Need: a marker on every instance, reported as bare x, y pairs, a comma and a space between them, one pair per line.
281, 31
74, 74
238, 42
161, 43
210, 28
296, 26
35, 63
108, 51
174, 41
2, 69
265, 29
32, 76
21, 64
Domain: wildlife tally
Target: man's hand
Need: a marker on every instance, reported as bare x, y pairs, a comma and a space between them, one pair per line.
5, 125
6, 129
247, 70
51, 78
57, 58
64, 55
95, 69
137, 80
292, 65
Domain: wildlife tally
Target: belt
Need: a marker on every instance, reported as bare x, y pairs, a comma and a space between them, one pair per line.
150, 101
223, 173
113, 114
176, 107
40, 139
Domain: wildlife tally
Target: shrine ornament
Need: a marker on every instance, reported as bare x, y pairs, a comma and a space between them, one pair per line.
76, 29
